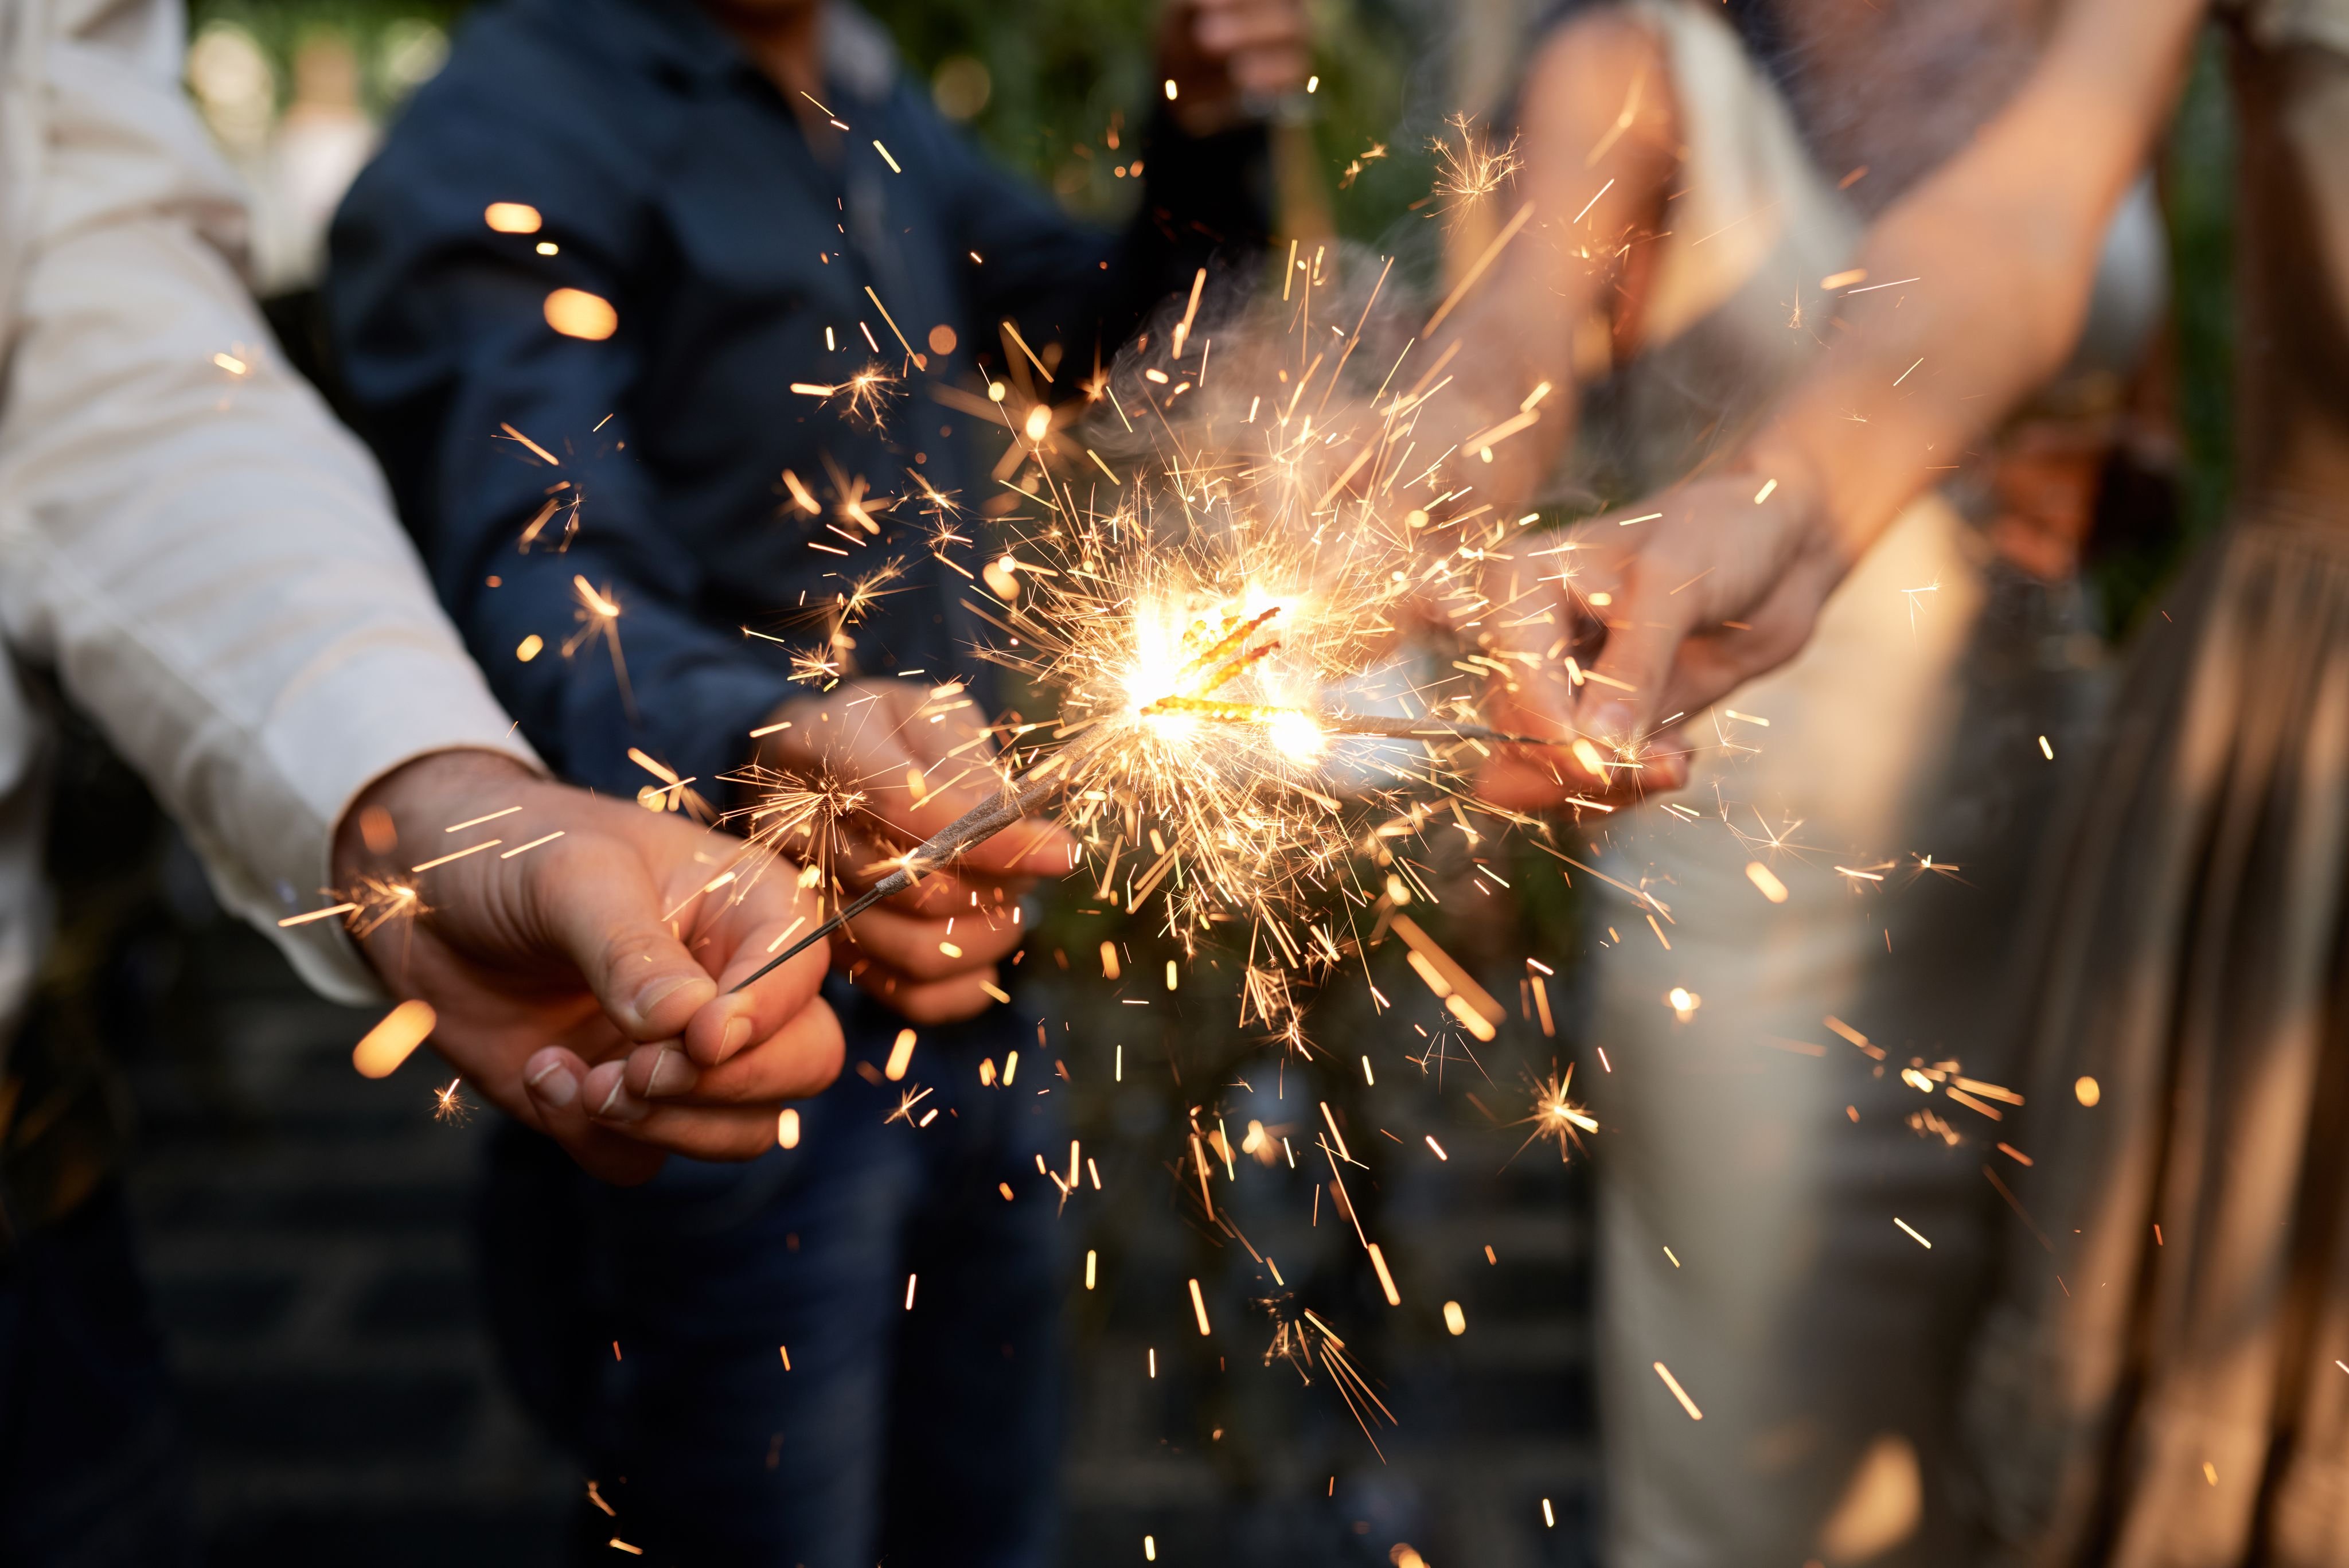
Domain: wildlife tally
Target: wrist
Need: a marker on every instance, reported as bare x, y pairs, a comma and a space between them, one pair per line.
415, 801
1781, 459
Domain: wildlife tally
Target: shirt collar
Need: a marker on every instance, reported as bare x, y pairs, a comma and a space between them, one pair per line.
679, 40
674, 39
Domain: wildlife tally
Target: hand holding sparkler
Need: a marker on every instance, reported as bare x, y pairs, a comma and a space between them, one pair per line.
896, 762
1723, 579
577, 972
1695, 592
1222, 57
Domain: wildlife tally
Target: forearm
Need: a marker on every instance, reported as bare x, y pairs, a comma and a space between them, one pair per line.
211, 567
1978, 283
1599, 134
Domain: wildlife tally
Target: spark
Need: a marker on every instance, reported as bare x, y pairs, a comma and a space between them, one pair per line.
598, 616
813, 815
1914, 597
1679, 1393
448, 1105
1304, 1342
1555, 1116
1470, 169
1210, 611
865, 398
375, 902
1371, 154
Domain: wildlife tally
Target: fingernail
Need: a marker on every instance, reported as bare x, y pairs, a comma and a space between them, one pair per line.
555, 1085
738, 1030
621, 1106
609, 1100
670, 1073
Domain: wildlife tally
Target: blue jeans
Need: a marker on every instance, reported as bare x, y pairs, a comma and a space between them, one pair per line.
92, 1470
921, 1436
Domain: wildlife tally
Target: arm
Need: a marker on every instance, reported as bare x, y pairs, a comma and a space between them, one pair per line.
2003, 240
201, 553
211, 566
443, 329
445, 339
1205, 187
1599, 135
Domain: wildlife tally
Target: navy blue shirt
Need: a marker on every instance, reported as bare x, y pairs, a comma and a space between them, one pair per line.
674, 182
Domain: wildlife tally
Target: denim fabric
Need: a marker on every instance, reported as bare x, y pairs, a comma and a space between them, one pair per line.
917, 1437
674, 180
92, 1472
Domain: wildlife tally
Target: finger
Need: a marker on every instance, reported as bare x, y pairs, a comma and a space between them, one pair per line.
798, 1059
1645, 627
947, 890
1229, 29
1537, 700
1031, 846
1284, 18
1523, 778
553, 1080
1666, 764
598, 903
1536, 697
1716, 661
697, 1132
926, 950
1269, 71
947, 1001
950, 896
743, 940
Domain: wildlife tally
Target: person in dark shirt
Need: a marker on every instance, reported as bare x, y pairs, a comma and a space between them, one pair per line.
577, 301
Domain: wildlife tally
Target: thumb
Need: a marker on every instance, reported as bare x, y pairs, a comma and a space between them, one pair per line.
1616, 706
1535, 701
602, 912
1031, 846
553, 1079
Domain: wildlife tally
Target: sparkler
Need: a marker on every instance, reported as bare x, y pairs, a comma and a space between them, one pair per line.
1210, 628
801, 810
1194, 627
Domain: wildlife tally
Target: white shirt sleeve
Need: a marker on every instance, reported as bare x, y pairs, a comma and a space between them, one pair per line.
206, 558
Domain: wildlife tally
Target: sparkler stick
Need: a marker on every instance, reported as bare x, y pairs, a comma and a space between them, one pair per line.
973, 827
1359, 725
984, 821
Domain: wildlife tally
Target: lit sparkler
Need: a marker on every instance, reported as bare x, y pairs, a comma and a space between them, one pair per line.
1195, 626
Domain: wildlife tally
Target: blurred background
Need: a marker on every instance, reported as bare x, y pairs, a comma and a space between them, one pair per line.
306, 1230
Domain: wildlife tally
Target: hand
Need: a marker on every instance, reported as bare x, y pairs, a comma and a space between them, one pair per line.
917, 757
1694, 603
579, 984
1227, 58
